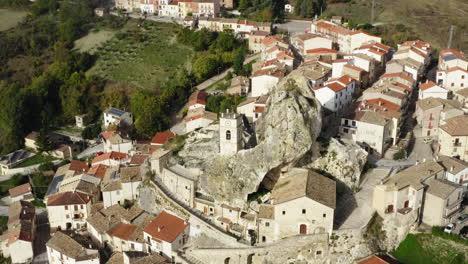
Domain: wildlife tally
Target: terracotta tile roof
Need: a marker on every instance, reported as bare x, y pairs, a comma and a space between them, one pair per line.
259, 109
427, 85
78, 166
107, 134
376, 52
122, 231
20, 190
272, 39
166, 227
402, 75
161, 138
110, 155
138, 159
377, 260
450, 52
67, 198
98, 171
340, 60
71, 247
383, 103
336, 87
346, 79
321, 51
456, 126
198, 97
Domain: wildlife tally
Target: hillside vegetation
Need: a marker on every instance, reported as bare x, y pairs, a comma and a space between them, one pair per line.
428, 20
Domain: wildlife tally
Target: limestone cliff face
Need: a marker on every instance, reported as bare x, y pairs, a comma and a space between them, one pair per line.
343, 161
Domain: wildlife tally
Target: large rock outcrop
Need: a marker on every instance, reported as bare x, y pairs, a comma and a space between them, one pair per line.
285, 134
344, 162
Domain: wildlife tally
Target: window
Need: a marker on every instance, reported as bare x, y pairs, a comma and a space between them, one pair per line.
81, 206
303, 211
67, 216
345, 130
463, 76
324, 215
211, 209
453, 84
75, 207
354, 123
318, 253
267, 224
228, 135
284, 212
66, 207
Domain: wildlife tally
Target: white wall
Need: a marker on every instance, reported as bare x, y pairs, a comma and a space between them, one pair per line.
21, 251
262, 85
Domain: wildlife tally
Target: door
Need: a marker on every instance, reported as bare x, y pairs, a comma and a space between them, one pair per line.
390, 209
406, 204
205, 209
303, 229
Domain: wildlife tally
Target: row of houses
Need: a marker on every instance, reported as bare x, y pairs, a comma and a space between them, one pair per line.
174, 8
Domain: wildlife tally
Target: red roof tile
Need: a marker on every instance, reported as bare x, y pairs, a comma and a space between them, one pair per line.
138, 159
98, 171
402, 75
110, 155
198, 97
78, 166
354, 67
67, 198
321, 50
123, 231
107, 134
427, 85
346, 79
166, 227
20, 190
161, 138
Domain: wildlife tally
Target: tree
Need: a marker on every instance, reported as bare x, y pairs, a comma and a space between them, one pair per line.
44, 144
205, 66
238, 63
244, 4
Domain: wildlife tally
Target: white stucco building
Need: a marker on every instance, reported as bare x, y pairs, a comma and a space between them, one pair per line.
68, 210
71, 249
114, 116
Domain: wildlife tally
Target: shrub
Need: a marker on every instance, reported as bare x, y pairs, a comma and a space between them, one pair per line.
399, 155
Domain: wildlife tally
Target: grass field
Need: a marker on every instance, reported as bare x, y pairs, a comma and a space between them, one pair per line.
37, 159
10, 18
429, 19
93, 40
429, 249
143, 56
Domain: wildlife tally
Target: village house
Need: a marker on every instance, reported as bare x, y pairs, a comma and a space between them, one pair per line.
197, 118
181, 182
165, 234
430, 89
359, 74
346, 39
129, 236
227, 4
432, 112
12, 159
160, 160
305, 41
71, 248
161, 138
227, 216
264, 80
205, 204
316, 73
336, 95
101, 11
302, 202
456, 171
452, 71
104, 219
120, 184
380, 52
135, 257
17, 241
255, 40
373, 129
420, 189
367, 63
128, 5
399, 77
337, 67
462, 97
115, 141
253, 107
114, 116
82, 183
112, 158
149, 6
240, 85
453, 137
98, 171
320, 54
21, 192
68, 210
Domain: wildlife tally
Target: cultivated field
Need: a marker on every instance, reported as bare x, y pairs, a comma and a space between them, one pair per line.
144, 56
93, 40
10, 18
429, 19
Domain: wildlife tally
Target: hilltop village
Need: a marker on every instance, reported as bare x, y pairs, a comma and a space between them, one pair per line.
341, 147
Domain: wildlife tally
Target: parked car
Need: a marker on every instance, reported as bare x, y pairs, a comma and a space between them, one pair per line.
449, 228
464, 232
462, 218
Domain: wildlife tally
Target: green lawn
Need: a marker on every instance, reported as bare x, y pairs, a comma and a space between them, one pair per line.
429, 249
146, 57
93, 40
10, 18
37, 159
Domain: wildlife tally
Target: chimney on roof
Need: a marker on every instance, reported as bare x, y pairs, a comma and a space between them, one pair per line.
452, 168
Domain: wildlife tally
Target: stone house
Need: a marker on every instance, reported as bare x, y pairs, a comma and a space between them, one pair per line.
68, 210
453, 138
255, 40
204, 204
73, 248
430, 89
302, 202
165, 234
181, 182
129, 236
114, 116
115, 141
432, 112
17, 241
240, 85
160, 160
253, 107
120, 184
442, 202
21, 192
198, 118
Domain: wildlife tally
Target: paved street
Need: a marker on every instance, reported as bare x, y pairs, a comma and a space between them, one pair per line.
420, 150
42, 236
91, 150
293, 26
355, 211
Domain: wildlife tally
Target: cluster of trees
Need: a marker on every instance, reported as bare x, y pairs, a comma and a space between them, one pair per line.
263, 10
309, 8
220, 103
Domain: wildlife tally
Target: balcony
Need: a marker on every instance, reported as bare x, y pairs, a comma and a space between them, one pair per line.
457, 144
